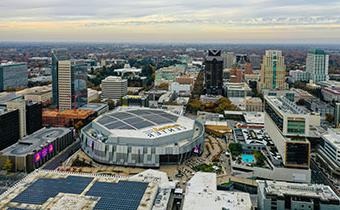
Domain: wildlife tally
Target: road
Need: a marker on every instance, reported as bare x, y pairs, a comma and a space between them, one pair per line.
61, 157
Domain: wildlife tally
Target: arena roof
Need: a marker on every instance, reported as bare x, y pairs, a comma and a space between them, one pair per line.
136, 119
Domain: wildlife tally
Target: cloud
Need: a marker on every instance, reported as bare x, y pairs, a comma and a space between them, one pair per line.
38, 15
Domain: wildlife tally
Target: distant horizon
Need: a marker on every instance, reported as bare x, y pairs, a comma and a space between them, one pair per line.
168, 43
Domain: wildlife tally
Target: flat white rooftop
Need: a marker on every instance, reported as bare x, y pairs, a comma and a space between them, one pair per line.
254, 117
333, 137
285, 105
201, 194
322, 192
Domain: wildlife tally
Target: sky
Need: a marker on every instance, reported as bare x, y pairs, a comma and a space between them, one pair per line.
227, 21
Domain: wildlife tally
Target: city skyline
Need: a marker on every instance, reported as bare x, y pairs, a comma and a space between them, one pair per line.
264, 21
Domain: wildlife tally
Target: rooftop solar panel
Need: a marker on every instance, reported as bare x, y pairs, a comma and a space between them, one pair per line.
128, 127
121, 115
105, 120
168, 116
42, 189
137, 119
140, 112
142, 124
123, 195
157, 111
133, 119
161, 120
114, 125
151, 117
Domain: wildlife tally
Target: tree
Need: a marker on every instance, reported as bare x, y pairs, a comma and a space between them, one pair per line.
194, 105
111, 104
235, 149
224, 104
300, 102
329, 118
163, 86
260, 158
8, 165
198, 85
79, 125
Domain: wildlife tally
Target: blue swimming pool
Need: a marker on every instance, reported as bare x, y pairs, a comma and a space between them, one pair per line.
248, 158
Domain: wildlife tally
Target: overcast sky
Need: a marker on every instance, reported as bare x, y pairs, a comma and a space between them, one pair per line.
234, 21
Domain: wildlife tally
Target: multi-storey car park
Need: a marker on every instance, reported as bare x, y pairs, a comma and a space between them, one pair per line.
142, 137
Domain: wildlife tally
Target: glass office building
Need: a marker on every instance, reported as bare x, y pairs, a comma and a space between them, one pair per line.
79, 88
13, 76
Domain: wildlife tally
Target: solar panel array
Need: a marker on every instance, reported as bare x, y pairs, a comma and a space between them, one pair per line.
124, 195
136, 119
43, 189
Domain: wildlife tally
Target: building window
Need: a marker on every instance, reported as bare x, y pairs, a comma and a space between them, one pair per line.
296, 127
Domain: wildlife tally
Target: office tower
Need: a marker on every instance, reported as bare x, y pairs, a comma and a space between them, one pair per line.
33, 117
255, 60
79, 84
228, 59
317, 65
19, 104
288, 126
9, 128
337, 115
13, 76
241, 60
57, 55
214, 72
72, 89
114, 87
273, 71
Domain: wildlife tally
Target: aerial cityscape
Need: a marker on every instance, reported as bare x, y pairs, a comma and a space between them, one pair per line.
169, 105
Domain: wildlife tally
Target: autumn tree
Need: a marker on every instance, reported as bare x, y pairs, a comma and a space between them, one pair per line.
8, 165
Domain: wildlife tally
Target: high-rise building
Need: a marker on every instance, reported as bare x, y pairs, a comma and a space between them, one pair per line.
214, 72
228, 59
57, 55
114, 87
79, 84
241, 60
9, 128
273, 71
298, 75
72, 89
255, 60
19, 104
33, 117
289, 126
13, 75
317, 65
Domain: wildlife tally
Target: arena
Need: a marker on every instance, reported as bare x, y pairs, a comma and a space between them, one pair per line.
142, 137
